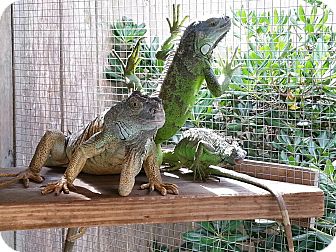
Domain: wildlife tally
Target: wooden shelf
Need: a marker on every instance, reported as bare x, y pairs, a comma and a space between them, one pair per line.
96, 202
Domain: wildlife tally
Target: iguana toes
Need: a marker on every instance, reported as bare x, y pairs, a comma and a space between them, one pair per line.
202, 149
175, 27
115, 142
199, 148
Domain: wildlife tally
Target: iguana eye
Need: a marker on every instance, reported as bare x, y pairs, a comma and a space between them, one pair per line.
135, 103
213, 23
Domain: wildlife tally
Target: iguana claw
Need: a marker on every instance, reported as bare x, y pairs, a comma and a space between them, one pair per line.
175, 27
163, 188
228, 69
25, 176
199, 172
57, 187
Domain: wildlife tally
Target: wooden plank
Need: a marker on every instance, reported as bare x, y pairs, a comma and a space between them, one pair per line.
96, 202
6, 91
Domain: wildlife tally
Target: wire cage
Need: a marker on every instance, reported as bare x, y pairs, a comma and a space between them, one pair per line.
280, 103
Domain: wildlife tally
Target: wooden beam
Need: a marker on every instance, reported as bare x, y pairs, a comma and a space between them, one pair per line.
96, 202
6, 91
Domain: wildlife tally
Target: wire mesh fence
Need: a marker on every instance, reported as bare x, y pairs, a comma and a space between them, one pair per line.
280, 102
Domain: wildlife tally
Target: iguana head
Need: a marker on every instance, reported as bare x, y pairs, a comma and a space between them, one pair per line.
205, 35
136, 114
233, 154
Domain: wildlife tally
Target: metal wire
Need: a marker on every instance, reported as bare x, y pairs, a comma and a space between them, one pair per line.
63, 78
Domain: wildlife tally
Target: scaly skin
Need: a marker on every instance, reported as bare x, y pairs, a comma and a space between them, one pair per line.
116, 142
199, 148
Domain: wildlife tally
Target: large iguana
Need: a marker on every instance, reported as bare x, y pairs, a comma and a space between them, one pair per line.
201, 150
116, 142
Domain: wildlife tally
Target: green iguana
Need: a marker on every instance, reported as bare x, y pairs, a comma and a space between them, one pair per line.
132, 81
199, 148
117, 142
190, 66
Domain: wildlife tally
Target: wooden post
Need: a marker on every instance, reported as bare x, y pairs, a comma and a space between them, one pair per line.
6, 91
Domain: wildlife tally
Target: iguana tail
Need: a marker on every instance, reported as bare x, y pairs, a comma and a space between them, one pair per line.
6, 183
72, 235
219, 171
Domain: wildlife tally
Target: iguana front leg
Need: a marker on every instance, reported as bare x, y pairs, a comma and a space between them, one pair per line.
227, 68
152, 170
132, 167
49, 147
95, 145
175, 27
200, 170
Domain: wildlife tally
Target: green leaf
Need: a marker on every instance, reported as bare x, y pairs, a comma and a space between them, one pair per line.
292, 161
312, 147
275, 17
326, 238
235, 238
325, 16
313, 14
302, 15
233, 225
243, 16
283, 156
207, 226
309, 28
323, 139
264, 63
192, 236
329, 168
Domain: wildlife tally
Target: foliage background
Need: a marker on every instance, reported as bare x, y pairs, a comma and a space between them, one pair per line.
281, 104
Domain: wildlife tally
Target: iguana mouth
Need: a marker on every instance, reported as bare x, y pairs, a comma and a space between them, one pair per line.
238, 161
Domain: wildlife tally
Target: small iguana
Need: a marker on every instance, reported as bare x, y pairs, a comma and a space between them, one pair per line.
116, 142
132, 81
199, 148
202, 150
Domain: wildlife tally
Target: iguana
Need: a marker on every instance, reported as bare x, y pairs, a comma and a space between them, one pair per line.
201, 150
115, 142
190, 66
132, 81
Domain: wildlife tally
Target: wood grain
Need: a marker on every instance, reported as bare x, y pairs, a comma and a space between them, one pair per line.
6, 91
96, 202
